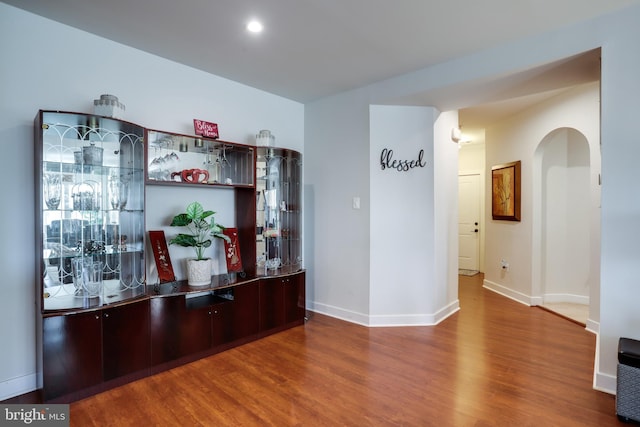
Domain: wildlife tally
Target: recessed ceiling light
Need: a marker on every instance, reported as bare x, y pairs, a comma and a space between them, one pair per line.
254, 26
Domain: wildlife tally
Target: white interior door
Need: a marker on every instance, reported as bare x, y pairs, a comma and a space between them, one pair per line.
469, 222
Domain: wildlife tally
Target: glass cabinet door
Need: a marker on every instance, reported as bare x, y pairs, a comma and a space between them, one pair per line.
279, 215
90, 179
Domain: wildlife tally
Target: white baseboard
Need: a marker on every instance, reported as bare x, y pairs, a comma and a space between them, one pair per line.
17, 386
339, 313
447, 311
593, 326
387, 319
509, 293
536, 301
415, 319
605, 383
570, 298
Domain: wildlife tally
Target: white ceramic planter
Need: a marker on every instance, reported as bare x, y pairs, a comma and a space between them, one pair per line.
199, 272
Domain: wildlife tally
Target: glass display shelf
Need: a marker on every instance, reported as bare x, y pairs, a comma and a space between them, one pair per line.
175, 158
65, 297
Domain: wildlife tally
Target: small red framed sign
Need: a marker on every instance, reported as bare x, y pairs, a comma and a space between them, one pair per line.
232, 251
206, 129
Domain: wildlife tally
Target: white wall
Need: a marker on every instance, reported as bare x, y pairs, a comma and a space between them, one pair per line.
619, 314
46, 65
337, 236
411, 245
445, 197
333, 122
402, 223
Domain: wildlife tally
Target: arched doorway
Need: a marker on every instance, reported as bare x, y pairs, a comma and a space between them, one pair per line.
565, 232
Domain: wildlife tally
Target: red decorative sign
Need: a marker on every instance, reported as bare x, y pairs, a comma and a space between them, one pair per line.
206, 129
161, 255
232, 251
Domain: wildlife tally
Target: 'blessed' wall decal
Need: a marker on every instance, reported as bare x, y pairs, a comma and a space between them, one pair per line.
388, 162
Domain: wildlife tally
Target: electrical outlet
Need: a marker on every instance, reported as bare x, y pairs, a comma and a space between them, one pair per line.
356, 202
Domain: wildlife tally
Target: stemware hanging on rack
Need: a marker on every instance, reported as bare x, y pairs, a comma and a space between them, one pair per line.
165, 159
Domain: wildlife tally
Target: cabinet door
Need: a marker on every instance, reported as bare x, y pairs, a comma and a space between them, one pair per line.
165, 329
278, 211
222, 331
195, 330
72, 353
294, 298
272, 313
90, 209
245, 310
126, 339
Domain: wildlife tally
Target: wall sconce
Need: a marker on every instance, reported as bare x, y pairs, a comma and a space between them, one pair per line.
456, 134
458, 137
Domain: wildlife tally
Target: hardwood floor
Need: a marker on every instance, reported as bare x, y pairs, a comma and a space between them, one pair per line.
494, 363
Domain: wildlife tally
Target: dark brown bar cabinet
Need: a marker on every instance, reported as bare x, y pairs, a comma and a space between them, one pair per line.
93, 323
100, 323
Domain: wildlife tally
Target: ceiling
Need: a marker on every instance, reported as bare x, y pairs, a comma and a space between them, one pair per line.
508, 95
315, 48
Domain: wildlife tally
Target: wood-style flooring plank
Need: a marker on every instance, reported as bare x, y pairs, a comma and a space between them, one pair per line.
494, 363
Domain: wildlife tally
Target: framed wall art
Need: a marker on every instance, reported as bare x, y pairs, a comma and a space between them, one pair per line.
505, 191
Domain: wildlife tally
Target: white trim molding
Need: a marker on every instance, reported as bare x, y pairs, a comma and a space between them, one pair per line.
17, 386
606, 383
510, 293
387, 320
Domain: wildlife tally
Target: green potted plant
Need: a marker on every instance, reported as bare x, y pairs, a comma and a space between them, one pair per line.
202, 228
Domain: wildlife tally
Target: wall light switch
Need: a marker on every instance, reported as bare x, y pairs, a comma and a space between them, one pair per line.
356, 202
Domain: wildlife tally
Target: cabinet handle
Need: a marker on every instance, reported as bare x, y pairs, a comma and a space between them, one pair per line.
97, 317
106, 315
